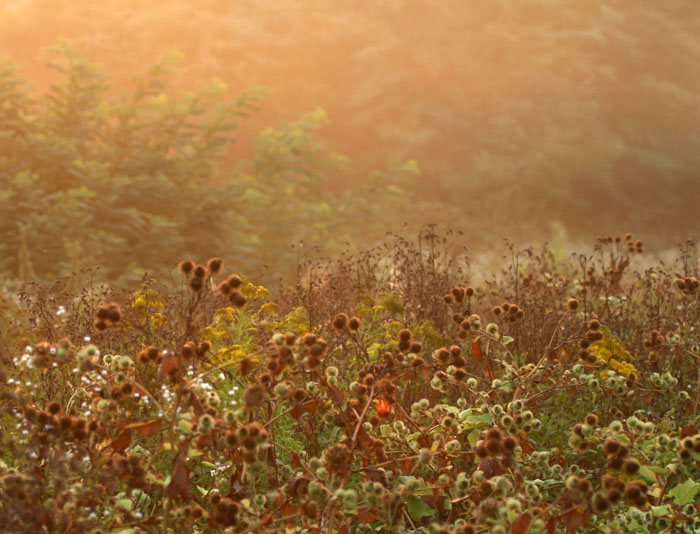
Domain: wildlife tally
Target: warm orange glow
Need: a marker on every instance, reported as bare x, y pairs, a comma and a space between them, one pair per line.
383, 406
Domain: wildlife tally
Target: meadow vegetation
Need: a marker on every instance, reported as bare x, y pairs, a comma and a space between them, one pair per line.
382, 393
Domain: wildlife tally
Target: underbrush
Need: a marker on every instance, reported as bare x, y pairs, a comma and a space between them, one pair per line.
384, 393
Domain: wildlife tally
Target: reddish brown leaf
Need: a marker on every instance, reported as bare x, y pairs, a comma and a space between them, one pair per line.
491, 467
573, 519
179, 487
366, 516
144, 427
527, 447
337, 396
298, 410
488, 370
688, 430
295, 460
477, 351
406, 464
312, 406
196, 405
121, 442
167, 365
204, 441
521, 525
290, 509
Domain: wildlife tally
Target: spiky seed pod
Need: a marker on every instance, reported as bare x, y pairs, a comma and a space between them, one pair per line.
53, 407
254, 396
460, 374
100, 326
594, 324
416, 347
354, 324
114, 312
189, 350
102, 313
615, 462
152, 352
509, 444
494, 433
200, 271
493, 446
308, 339
611, 447
196, 284
224, 288
236, 299
572, 304
340, 321
204, 347
185, 267
443, 356
338, 459
405, 334
457, 318
448, 299
215, 265
592, 419
631, 467
234, 281
600, 503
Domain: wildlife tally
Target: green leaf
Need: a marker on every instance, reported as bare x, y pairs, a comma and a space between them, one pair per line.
124, 503
684, 493
418, 508
647, 474
473, 437
507, 340
481, 418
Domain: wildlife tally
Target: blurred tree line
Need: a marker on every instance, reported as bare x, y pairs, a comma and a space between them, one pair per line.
521, 113
126, 180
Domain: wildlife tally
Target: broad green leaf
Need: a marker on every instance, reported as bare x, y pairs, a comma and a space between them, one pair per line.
418, 508
684, 493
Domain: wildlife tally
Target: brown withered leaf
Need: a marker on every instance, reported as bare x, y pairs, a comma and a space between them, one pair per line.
365, 515
688, 430
491, 467
521, 525
167, 365
298, 410
179, 486
573, 519
477, 351
121, 442
406, 465
337, 396
488, 369
143, 426
376, 475
195, 405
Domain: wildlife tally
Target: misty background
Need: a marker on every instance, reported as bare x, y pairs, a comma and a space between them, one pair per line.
528, 119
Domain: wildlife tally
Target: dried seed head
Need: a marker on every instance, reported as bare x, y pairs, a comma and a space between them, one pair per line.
254, 396
215, 265
185, 267
340, 321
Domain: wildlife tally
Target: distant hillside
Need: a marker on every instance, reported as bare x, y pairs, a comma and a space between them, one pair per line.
519, 112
